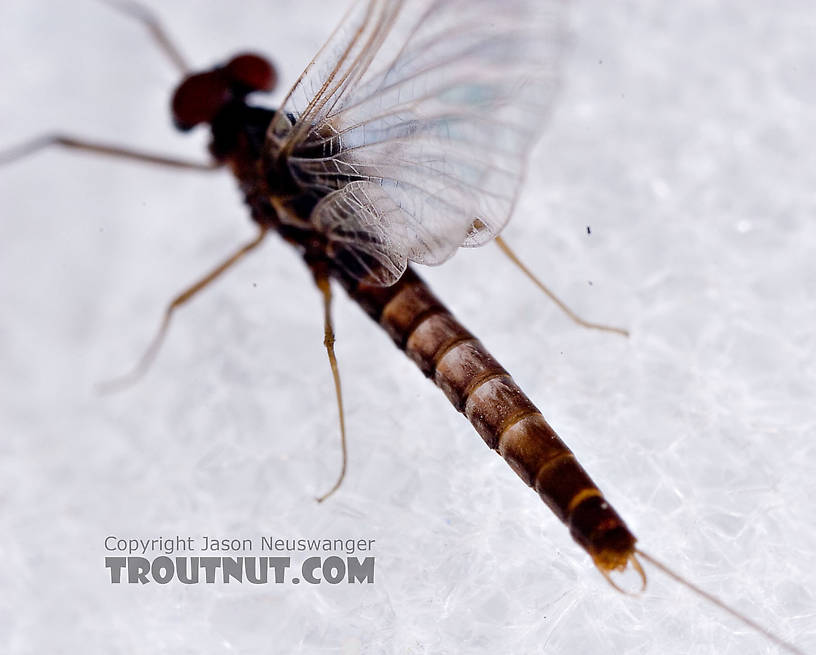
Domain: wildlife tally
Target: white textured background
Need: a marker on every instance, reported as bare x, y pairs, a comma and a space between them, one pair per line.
686, 139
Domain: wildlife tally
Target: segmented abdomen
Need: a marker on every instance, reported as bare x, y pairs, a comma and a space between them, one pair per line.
502, 414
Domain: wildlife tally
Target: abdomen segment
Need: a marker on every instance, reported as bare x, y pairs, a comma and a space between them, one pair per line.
507, 420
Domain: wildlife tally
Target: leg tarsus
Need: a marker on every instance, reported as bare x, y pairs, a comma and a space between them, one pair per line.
560, 303
73, 143
149, 355
322, 280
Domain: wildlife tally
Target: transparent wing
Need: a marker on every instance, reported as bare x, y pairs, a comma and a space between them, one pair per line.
335, 69
367, 231
415, 122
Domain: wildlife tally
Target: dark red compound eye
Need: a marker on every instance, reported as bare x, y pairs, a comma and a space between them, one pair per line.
250, 72
199, 98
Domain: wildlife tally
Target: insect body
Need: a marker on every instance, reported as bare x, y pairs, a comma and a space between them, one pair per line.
379, 157
323, 177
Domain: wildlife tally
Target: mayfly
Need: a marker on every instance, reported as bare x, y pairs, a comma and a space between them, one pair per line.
405, 138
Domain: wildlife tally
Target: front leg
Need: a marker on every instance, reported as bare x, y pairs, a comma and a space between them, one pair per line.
46, 141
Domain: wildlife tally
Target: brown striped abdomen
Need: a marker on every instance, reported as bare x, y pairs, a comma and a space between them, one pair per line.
502, 414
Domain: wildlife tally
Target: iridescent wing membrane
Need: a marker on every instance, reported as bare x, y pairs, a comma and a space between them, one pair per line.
414, 123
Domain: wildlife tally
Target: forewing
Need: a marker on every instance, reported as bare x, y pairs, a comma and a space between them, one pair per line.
435, 102
335, 69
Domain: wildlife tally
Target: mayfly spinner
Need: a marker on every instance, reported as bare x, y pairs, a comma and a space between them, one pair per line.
405, 138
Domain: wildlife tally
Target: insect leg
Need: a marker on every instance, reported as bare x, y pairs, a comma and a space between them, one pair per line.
159, 34
560, 303
322, 280
150, 354
41, 143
